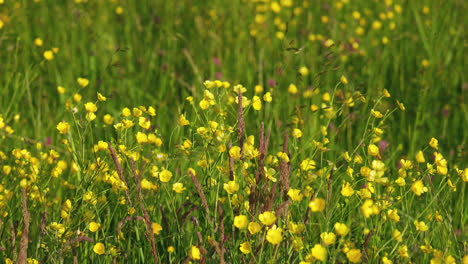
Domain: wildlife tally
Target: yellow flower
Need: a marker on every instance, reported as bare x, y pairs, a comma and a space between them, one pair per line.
254, 227
245, 247
235, 152
90, 107
63, 127
275, 235
90, 116
267, 97
319, 252
156, 228
182, 121
170, 249
38, 42
373, 150
108, 119
240, 221
83, 82
194, 253
308, 164
178, 187
376, 113
328, 238
418, 188
393, 214
256, 103
396, 234
304, 71
101, 97
61, 90
231, 187
369, 208
420, 226
434, 143
403, 251
341, 229
141, 138
295, 228
292, 89
144, 122
347, 190
77, 98
295, 194
99, 248
267, 218
420, 157
165, 176
343, 79
354, 255
119, 10
297, 133
48, 55
317, 205
93, 226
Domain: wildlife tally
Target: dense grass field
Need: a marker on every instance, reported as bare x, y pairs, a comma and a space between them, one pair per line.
243, 131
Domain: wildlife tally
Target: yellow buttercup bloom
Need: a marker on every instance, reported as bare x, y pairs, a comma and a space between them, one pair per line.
267, 218
434, 143
165, 176
83, 82
240, 221
99, 248
245, 247
254, 227
354, 255
194, 253
319, 252
328, 238
418, 188
317, 205
156, 228
48, 55
274, 235
93, 226
231, 187
101, 97
178, 187
63, 127
341, 229
235, 152
347, 190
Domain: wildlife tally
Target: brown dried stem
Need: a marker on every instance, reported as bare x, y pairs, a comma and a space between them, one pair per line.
149, 225
119, 171
23, 253
201, 194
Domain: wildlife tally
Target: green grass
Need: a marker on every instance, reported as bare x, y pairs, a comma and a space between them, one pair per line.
158, 53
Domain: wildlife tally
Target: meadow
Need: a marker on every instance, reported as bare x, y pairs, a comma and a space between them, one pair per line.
242, 131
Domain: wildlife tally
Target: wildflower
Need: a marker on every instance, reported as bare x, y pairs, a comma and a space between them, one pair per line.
178, 187
295, 228
267, 97
295, 194
170, 249
369, 208
156, 228
194, 253
245, 247
93, 226
354, 255
317, 205
418, 188
165, 176
434, 143
141, 138
304, 71
376, 113
83, 82
235, 152
420, 157
254, 227
267, 218
144, 122
292, 89
63, 127
328, 238
101, 97
393, 215
347, 190
48, 55
274, 235
420, 226
258, 89
307, 164
341, 229
182, 121
90, 107
343, 80
396, 234
119, 10
108, 119
297, 133
319, 252
256, 103
231, 187
240, 221
99, 248
400, 105
373, 150
403, 251
38, 42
